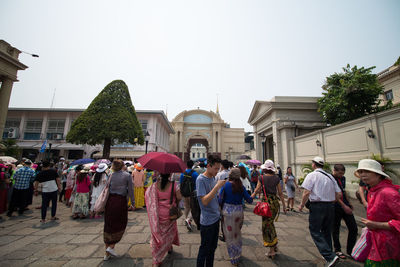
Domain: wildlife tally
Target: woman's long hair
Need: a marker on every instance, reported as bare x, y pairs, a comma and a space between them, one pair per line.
243, 172
164, 180
234, 178
81, 176
96, 178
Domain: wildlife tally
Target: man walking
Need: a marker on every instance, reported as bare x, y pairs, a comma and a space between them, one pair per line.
322, 190
50, 185
20, 194
343, 210
207, 189
187, 183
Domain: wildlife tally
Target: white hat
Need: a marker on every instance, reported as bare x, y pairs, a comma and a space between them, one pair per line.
268, 165
102, 167
85, 170
319, 160
370, 165
62, 158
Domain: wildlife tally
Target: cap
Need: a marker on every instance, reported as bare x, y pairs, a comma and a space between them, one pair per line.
319, 160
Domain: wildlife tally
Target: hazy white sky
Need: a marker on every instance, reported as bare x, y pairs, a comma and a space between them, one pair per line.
182, 54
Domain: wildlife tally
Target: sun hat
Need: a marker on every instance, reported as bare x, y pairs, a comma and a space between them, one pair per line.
85, 170
319, 160
234, 173
268, 165
138, 166
62, 158
370, 165
102, 167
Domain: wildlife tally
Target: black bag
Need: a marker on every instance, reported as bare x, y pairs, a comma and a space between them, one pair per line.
187, 186
174, 211
195, 209
308, 204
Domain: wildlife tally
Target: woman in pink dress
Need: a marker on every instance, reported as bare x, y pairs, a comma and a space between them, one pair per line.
164, 232
383, 214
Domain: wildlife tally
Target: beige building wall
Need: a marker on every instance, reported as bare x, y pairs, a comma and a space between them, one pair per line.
351, 141
390, 79
207, 128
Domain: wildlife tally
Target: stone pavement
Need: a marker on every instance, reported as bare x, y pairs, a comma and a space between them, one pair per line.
24, 241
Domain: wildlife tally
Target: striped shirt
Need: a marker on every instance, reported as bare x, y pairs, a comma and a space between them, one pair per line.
23, 178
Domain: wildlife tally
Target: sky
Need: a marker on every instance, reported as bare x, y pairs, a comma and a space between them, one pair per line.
183, 55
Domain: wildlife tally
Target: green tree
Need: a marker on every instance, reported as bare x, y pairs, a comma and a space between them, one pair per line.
10, 148
350, 95
110, 119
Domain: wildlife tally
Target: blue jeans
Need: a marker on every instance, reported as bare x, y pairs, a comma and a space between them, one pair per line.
46, 197
321, 219
209, 241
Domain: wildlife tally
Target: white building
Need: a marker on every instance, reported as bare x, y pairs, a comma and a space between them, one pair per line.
32, 126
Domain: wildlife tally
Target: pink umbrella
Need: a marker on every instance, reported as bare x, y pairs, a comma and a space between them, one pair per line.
162, 162
253, 162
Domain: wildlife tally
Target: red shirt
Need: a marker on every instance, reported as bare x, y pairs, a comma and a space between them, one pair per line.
384, 206
84, 186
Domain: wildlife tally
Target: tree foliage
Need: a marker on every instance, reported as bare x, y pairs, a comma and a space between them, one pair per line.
10, 148
350, 95
110, 119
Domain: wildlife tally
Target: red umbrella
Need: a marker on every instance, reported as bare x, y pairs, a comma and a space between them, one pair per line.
162, 162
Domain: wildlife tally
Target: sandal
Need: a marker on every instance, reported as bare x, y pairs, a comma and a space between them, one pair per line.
340, 255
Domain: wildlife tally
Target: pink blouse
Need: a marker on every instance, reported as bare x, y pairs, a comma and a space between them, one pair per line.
84, 186
384, 206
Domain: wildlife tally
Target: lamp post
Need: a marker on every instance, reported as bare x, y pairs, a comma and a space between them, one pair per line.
263, 139
147, 137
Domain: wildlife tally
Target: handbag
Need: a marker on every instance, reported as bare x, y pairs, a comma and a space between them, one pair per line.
262, 208
363, 246
174, 211
101, 201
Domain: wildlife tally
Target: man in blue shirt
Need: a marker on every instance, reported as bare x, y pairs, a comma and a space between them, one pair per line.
207, 189
23, 178
186, 198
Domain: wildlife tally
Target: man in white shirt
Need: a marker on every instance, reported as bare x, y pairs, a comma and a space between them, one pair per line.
322, 191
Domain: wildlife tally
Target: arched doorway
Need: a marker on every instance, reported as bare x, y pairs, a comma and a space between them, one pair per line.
192, 142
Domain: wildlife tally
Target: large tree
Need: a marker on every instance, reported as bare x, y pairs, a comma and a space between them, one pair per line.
349, 95
110, 119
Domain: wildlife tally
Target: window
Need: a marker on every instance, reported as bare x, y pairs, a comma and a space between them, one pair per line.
193, 155
55, 129
389, 95
144, 125
33, 128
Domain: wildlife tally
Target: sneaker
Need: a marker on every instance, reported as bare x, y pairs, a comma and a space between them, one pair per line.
189, 225
112, 252
106, 257
333, 262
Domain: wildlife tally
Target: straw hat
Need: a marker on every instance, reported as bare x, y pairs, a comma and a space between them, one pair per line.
370, 165
268, 165
102, 167
85, 170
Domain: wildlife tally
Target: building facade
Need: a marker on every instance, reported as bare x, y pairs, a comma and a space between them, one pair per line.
390, 80
9, 66
31, 127
207, 128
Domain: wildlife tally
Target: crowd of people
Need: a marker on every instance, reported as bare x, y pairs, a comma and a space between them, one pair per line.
213, 195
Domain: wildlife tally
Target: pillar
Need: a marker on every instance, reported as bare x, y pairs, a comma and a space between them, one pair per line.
5, 94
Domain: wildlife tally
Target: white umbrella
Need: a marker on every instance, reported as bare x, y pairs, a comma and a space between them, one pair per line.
8, 159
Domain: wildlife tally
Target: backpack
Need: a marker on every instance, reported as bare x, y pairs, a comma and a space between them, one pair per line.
195, 209
187, 186
254, 176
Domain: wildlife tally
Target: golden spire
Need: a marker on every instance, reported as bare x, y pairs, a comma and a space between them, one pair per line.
217, 105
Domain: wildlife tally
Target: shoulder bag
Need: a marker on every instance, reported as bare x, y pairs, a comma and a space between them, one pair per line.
363, 246
101, 201
262, 208
174, 211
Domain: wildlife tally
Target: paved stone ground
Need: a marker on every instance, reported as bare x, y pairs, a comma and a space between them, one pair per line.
24, 241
